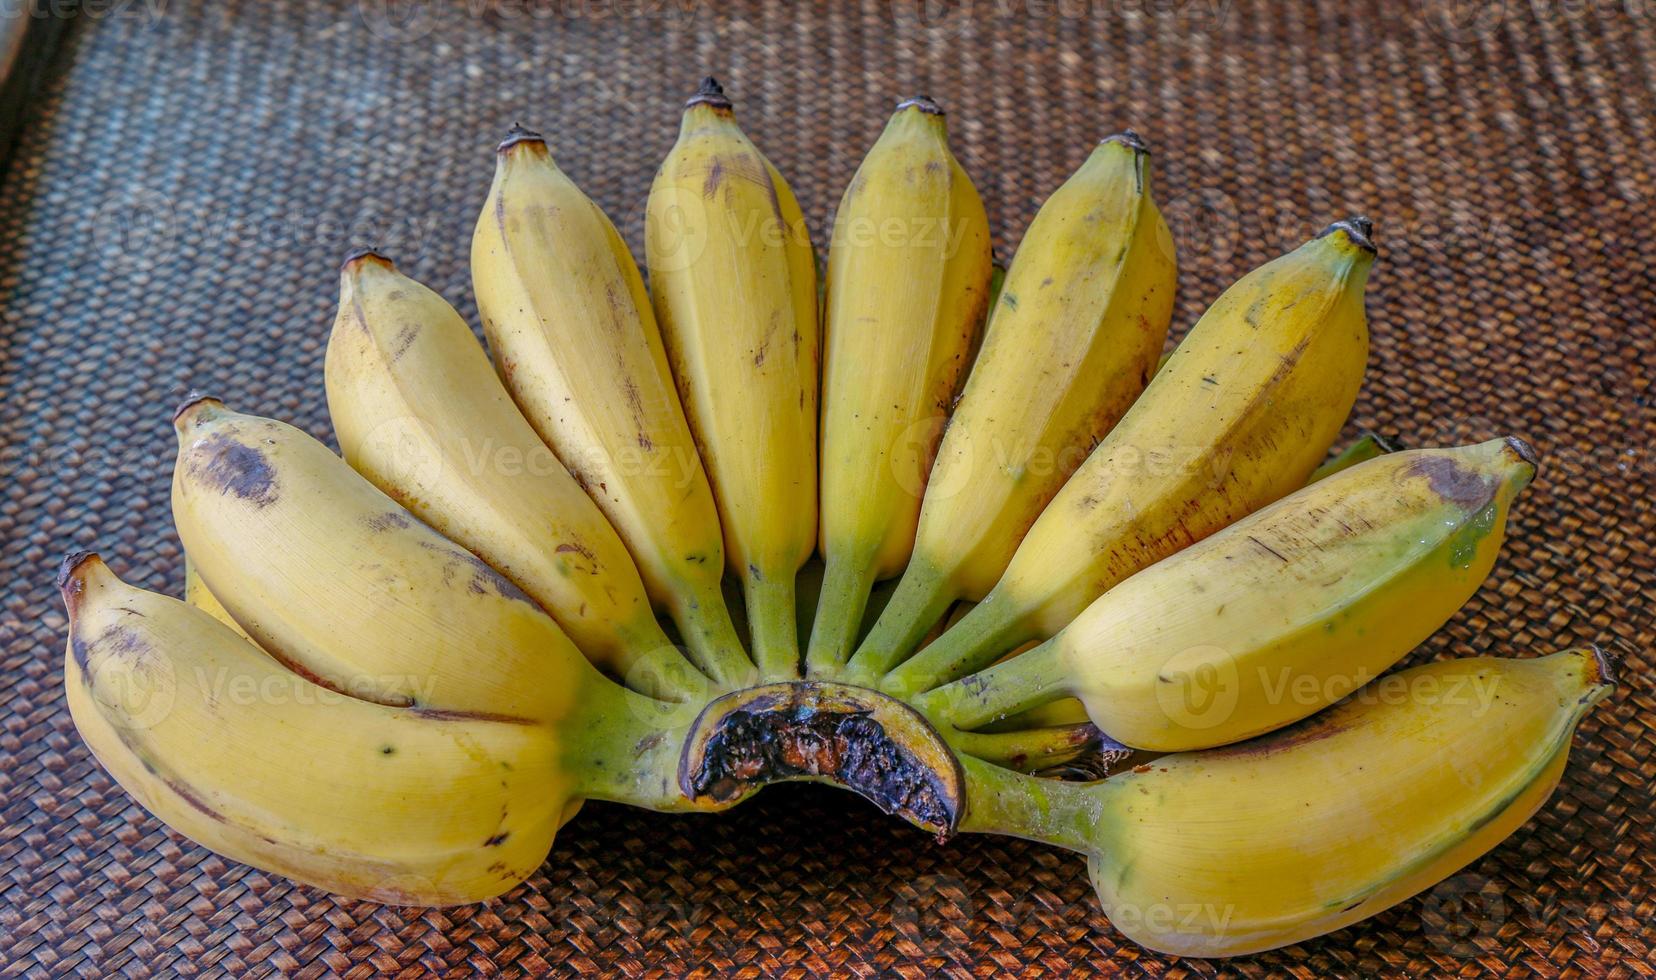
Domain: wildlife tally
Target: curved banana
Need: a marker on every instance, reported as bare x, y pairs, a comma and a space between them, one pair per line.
421, 414
1280, 614
336, 580
1307, 830
228, 748
908, 285
1072, 341
570, 326
1242, 414
734, 279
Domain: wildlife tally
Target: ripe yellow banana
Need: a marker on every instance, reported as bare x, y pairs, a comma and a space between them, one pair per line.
1072, 341
734, 278
339, 582
908, 285
573, 336
1280, 614
421, 414
1298, 833
198, 595
1242, 414
227, 747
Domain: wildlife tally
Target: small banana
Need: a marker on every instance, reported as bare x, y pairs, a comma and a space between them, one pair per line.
1242, 414
227, 747
1276, 616
573, 337
1295, 834
1072, 341
908, 286
339, 582
421, 414
734, 278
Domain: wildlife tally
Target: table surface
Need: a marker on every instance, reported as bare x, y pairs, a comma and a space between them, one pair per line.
192, 174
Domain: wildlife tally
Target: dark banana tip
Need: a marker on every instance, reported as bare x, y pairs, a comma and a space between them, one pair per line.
1525, 452
190, 401
922, 102
709, 93
519, 134
1357, 228
1607, 664
69, 583
363, 255
1129, 139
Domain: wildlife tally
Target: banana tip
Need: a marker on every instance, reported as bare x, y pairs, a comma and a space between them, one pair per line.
519, 133
69, 581
922, 102
1525, 452
190, 401
1129, 139
709, 93
1357, 228
361, 255
1606, 664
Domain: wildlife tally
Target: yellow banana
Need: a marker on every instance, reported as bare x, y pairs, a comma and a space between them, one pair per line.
390, 804
421, 414
734, 279
573, 336
1072, 341
1278, 615
908, 284
339, 582
198, 595
1298, 833
1241, 414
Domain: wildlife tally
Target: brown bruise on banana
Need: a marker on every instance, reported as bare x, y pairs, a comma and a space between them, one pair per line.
850, 737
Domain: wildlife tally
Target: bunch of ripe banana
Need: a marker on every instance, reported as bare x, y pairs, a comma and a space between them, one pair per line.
396, 675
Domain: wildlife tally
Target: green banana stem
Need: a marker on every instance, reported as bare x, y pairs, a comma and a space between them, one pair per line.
989, 630
771, 620
1029, 680
625, 746
846, 586
1049, 811
922, 598
663, 673
711, 639
1368, 446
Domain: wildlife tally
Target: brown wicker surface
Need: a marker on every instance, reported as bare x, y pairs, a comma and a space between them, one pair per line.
193, 174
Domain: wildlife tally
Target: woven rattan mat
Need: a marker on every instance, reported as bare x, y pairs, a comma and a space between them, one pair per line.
192, 174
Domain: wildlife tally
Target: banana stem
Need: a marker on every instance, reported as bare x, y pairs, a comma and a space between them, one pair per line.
989, 630
1050, 811
1034, 748
770, 610
845, 589
1029, 680
647, 662
922, 598
710, 636
625, 746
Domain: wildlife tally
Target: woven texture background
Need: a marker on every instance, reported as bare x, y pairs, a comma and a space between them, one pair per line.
192, 174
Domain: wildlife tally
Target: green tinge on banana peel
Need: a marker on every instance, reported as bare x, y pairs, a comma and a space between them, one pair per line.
1295, 834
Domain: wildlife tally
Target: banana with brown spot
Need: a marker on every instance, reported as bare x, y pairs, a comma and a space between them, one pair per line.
574, 338
420, 412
